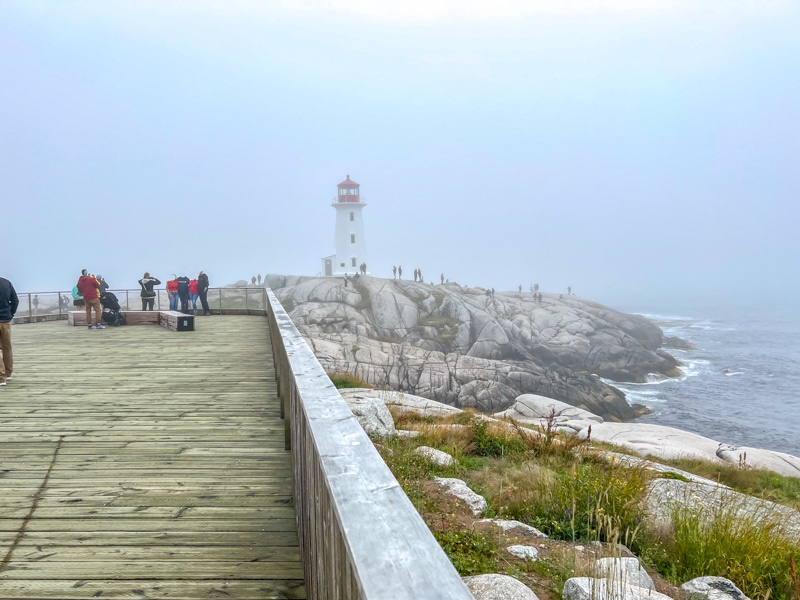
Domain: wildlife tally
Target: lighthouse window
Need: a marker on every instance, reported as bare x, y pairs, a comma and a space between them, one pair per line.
342, 191
352, 216
352, 191
354, 261
352, 238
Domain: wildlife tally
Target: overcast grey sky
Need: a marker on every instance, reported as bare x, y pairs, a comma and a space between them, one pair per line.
644, 152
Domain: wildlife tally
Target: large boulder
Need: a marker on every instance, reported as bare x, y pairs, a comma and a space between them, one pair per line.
493, 586
657, 441
713, 588
371, 412
544, 412
461, 347
588, 588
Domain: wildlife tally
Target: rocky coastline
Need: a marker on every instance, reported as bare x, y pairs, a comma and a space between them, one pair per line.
472, 348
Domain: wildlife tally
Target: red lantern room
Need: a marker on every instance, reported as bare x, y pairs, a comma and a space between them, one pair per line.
348, 191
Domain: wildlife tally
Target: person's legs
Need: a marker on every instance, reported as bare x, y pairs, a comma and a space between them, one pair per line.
87, 304
144, 303
194, 302
149, 303
204, 302
173, 301
98, 311
184, 303
7, 364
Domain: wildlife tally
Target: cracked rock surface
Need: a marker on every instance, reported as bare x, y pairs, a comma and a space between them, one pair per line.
458, 346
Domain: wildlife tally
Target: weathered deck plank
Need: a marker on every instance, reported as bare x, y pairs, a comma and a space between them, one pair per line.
140, 463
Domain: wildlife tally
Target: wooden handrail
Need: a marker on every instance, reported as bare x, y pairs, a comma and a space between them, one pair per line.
359, 533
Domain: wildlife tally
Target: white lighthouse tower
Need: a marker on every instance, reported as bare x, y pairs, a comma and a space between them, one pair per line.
351, 245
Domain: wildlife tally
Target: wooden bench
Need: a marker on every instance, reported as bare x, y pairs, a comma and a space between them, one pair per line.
176, 321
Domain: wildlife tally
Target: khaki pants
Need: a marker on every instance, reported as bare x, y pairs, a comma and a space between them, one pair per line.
7, 364
98, 311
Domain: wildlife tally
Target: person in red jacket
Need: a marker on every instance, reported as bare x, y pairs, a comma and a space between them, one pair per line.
89, 288
172, 292
193, 294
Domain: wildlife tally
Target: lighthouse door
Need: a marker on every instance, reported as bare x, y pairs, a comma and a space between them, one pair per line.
328, 267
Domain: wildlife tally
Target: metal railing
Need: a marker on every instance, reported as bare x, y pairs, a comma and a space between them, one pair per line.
52, 306
360, 536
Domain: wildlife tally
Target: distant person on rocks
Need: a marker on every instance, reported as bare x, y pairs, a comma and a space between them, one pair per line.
520, 289
492, 292
183, 293
442, 278
172, 292
258, 278
202, 291
9, 301
415, 274
569, 290
419, 272
193, 295
253, 280
89, 288
77, 299
148, 294
399, 272
394, 272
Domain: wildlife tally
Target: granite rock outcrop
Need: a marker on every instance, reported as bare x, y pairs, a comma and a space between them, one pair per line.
464, 347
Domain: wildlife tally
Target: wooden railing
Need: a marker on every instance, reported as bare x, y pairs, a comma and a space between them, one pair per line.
360, 536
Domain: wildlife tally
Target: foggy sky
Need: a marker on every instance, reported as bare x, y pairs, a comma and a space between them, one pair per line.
644, 153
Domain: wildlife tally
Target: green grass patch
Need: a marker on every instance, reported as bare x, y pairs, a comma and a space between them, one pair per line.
754, 482
347, 380
728, 541
471, 552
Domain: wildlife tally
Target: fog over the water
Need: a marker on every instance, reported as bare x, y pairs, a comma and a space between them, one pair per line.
644, 153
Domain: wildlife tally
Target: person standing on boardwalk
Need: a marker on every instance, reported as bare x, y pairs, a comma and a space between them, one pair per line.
103, 285
8, 308
89, 288
183, 293
193, 294
202, 291
172, 292
77, 299
148, 293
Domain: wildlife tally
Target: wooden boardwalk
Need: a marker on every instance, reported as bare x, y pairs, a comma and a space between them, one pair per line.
138, 462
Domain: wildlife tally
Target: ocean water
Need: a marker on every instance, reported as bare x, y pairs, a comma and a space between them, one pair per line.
741, 385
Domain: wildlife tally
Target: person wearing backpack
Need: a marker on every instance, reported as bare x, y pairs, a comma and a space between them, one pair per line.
148, 293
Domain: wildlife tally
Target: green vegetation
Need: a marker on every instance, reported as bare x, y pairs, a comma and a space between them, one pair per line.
347, 380
729, 542
754, 482
561, 486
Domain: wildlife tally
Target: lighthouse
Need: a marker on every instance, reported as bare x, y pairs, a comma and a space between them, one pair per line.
351, 244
